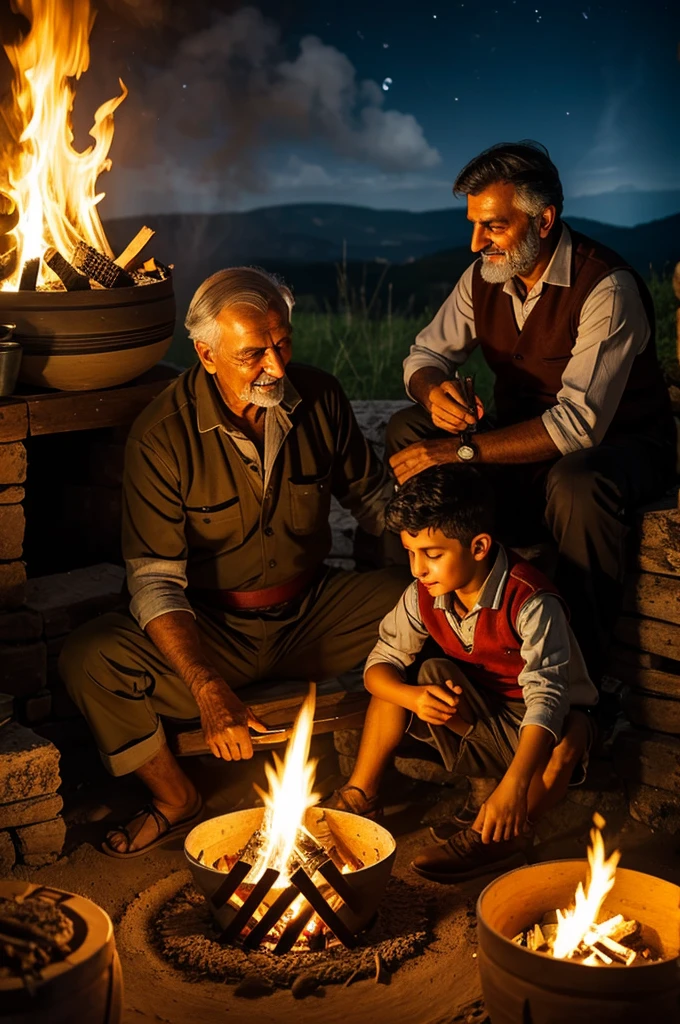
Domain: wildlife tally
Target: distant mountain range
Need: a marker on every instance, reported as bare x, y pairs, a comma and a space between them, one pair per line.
424, 252
624, 206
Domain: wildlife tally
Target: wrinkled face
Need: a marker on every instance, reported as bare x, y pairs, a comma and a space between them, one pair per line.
441, 563
251, 358
508, 239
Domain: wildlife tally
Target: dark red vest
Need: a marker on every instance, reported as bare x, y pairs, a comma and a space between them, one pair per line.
495, 659
529, 363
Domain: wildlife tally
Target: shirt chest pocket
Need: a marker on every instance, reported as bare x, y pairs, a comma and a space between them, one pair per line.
215, 527
310, 504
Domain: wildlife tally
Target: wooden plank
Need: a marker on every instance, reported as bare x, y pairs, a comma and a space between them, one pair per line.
647, 634
13, 419
653, 597
650, 711
646, 680
333, 711
650, 758
57, 412
659, 544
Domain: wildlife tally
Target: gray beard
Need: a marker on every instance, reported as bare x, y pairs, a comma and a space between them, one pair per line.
520, 260
265, 399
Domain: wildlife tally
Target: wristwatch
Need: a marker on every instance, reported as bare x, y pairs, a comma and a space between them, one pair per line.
467, 451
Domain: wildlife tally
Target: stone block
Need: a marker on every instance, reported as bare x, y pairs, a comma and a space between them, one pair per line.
652, 711
6, 706
650, 758
36, 708
346, 741
29, 764
11, 494
12, 463
23, 668
42, 843
12, 526
423, 770
8, 854
66, 600
12, 584
656, 808
19, 625
28, 812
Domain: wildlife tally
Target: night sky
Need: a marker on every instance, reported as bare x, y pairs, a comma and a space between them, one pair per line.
233, 106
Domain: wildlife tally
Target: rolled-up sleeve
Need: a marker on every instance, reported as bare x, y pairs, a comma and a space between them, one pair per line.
401, 634
154, 542
546, 650
447, 341
613, 330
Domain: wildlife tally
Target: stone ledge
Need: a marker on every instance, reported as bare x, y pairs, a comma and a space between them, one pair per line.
66, 600
29, 764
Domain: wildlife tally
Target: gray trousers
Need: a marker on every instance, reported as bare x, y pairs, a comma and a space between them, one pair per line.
585, 500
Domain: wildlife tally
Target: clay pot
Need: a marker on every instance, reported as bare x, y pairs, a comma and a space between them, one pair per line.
229, 833
80, 341
86, 986
523, 986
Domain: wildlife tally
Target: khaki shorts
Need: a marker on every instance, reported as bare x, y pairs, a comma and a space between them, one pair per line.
489, 746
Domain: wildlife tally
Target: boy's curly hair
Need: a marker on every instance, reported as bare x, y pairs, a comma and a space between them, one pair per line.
456, 499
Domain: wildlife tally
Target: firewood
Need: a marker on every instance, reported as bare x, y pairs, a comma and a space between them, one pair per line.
133, 248
99, 267
68, 275
9, 213
29, 275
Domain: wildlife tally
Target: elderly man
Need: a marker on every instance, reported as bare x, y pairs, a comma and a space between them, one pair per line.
228, 480
583, 429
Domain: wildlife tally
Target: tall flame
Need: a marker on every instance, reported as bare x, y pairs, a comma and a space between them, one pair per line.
291, 794
51, 183
573, 925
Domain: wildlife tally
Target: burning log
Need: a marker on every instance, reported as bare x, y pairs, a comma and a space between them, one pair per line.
335, 846
8, 255
68, 275
9, 213
132, 250
99, 268
29, 275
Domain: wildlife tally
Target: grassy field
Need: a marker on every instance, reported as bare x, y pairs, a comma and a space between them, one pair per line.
366, 354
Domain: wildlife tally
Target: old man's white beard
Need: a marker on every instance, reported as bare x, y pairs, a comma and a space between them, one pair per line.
520, 260
258, 396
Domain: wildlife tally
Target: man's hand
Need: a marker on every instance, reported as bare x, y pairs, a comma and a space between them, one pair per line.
437, 704
447, 406
504, 814
226, 721
421, 455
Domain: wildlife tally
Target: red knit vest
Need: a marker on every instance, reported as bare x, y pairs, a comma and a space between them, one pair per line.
529, 363
495, 659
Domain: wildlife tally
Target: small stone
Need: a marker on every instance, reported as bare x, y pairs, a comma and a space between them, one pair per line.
252, 986
29, 764
45, 839
29, 812
304, 985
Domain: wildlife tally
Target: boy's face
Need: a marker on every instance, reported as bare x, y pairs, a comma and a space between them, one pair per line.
442, 563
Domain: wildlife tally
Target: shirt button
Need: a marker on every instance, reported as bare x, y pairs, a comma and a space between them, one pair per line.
206, 520
253, 466
268, 531
272, 563
518, 355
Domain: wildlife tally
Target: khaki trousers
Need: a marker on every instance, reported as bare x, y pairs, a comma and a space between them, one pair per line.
121, 683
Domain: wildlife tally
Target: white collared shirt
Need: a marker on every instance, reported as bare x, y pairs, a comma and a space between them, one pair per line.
613, 330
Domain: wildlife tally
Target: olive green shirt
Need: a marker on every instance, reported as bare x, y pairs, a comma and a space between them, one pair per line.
202, 509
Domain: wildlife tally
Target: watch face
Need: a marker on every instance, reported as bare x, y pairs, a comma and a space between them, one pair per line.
466, 452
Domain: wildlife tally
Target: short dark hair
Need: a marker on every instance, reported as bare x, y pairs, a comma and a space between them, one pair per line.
526, 165
456, 499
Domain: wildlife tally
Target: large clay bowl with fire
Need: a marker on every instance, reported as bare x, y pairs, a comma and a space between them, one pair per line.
83, 340
227, 834
522, 985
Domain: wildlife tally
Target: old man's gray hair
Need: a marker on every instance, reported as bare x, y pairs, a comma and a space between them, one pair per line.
235, 286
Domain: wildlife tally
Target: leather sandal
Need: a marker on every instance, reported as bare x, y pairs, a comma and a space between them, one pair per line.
165, 831
344, 799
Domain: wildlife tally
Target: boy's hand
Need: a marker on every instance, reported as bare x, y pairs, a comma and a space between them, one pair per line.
504, 814
436, 704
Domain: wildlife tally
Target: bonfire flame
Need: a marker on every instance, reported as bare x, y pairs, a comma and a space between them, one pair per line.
581, 920
51, 184
291, 794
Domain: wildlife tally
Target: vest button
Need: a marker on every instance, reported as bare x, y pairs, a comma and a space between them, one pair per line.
272, 563
268, 531
518, 355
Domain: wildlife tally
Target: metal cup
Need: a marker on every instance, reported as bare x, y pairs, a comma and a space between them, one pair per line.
10, 359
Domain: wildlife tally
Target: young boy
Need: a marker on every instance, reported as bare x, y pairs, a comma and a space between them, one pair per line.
499, 702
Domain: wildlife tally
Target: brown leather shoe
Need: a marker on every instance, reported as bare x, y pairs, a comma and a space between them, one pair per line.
465, 856
354, 800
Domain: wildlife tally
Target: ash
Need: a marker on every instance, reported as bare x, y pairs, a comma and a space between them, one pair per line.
186, 937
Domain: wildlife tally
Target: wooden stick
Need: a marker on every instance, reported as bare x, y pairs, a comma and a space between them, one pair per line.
133, 248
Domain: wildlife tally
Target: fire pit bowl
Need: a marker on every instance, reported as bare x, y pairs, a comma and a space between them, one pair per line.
521, 985
227, 834
82, 340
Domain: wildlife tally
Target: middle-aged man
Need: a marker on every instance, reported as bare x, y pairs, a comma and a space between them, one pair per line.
583, 429
228, 480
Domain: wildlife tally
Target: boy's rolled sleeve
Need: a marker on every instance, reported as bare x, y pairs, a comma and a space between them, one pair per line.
546, 651
402, 634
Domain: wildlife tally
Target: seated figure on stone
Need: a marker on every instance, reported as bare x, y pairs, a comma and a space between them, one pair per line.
505, 696
227, 486
582, 430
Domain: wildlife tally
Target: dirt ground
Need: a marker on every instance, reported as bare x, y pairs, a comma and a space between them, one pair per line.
441, 986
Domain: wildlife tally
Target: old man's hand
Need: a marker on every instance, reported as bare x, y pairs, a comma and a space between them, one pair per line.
422, 455
448, 408
226, 722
